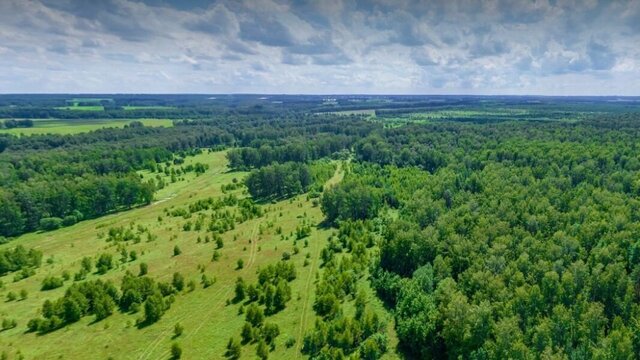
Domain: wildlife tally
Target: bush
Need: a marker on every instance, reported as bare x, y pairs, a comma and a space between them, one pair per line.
178, 330
154, 307
176, 250
9, 324
206, 281
69, 220
144, 269
104, 263
216, 255
178, 281
234, 348
51, 223
240, 264
290, 342
262, 350
19, 258
51, 282
240, 290
270, 331
191, 285
176, 351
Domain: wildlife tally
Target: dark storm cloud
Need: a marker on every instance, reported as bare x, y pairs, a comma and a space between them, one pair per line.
323, 45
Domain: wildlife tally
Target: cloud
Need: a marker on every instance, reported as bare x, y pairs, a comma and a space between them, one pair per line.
424, 57
59, 48
601, 56
268, 32
407, 46
128, 20
216, 20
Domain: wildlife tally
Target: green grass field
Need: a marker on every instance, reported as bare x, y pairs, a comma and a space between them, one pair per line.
370, 112
75, 126
82, 108
207, 319
481, 114
133, 107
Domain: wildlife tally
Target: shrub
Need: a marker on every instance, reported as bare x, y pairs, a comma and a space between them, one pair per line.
104, 263
216, 255
9, 324
178, 330
176, 351
178, 281
234, 348
69, 220
262, 350
51, 223
51, 282
144, 269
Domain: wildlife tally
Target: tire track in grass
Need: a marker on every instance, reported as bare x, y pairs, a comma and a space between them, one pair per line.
336, 178
221, 302
305, 306
252, 256
154, 344
166, 332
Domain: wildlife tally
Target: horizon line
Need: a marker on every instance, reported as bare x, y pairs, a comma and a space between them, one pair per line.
316, 94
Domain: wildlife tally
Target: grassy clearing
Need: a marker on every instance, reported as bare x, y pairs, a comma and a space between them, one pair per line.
75, 126
492, 114
207, 318
369, 112
133, 107
88, 100
81, 108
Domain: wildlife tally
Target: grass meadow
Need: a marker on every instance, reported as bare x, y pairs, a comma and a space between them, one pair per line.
75, 126
205, 313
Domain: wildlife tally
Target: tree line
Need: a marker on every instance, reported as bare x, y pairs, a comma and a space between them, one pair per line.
48, 181
16, 123
101, 298
287, 179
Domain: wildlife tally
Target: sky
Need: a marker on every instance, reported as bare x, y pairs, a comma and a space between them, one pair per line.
546, 47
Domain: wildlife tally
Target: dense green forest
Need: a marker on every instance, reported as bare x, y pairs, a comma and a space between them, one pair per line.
510, 240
